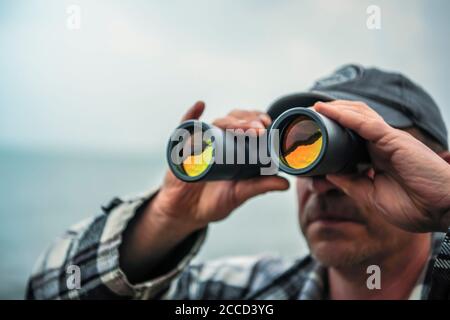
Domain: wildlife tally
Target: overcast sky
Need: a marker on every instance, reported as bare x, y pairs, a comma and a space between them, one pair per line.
123, 80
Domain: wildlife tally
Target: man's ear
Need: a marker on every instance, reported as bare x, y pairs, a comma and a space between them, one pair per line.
445, 155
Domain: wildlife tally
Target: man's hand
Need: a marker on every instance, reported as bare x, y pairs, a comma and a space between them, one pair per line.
181, 208
409, 185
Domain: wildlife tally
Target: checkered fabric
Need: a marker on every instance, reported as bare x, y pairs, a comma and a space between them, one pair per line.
93, 246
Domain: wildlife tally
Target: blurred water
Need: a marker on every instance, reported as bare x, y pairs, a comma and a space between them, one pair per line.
43, 193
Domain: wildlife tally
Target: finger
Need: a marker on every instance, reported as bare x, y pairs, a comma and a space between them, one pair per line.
194, 112
355, 106
233, 123
252, 115
358, 187
368, 125
266, 119
348, 102
246, 189
355, 103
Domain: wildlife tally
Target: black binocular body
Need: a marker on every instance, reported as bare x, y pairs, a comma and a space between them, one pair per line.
299, 142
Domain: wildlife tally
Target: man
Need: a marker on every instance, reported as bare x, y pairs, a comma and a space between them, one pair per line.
389, 216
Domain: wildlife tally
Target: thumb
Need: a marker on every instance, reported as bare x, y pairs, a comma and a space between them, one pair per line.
246, 189
194, 112
356, 187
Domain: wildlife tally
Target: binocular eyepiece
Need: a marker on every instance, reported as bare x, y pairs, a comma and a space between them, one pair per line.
299, 142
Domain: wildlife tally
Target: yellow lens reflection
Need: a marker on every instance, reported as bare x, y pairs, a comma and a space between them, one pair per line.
302, 143
195, 164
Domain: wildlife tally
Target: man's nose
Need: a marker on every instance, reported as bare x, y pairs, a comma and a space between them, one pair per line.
321, 185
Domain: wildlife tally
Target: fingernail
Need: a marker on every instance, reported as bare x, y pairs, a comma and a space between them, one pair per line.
257, 124
266, 118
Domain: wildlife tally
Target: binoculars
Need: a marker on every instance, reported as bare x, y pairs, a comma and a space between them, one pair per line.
300, 142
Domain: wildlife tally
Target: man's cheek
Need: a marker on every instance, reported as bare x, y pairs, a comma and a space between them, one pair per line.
303, 191
304, 211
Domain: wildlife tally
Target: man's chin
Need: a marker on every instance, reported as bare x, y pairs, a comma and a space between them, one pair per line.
337, 244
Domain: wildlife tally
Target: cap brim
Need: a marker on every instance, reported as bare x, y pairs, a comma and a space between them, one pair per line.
393, 117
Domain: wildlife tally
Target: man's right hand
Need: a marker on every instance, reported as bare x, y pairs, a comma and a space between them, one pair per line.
181, 208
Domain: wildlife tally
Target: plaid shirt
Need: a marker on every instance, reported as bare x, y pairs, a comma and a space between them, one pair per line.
93, 246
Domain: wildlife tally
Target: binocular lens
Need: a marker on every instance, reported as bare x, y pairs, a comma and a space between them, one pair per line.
301, 143
194, 151
197, 161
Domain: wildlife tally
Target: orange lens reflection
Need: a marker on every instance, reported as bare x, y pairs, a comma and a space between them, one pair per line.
301, 143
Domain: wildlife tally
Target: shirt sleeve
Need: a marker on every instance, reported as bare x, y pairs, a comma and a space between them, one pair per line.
84, 262
440, 286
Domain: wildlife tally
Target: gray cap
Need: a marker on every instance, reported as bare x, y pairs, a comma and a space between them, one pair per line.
400, 102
